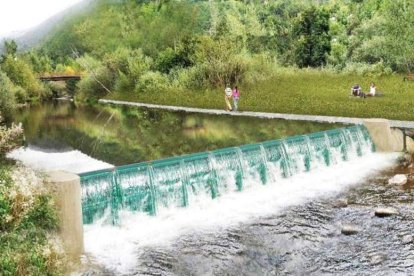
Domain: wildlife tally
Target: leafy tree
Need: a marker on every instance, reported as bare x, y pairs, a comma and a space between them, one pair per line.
21, 74
399, 31
180, 57
11, 47
7, 97
313, 44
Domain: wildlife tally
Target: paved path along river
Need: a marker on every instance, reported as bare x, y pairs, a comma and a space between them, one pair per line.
297, 117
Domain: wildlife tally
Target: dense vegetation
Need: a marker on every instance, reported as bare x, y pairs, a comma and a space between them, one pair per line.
27, 223
171, 51
142, 44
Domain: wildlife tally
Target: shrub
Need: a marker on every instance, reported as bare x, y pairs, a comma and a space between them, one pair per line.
96, 84
259, 67
123, 83
218, 62
10, 137
21, 74
7, 94
28, 240
152, 82
360, 68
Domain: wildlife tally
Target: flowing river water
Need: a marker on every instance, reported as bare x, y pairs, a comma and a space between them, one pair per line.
292, 227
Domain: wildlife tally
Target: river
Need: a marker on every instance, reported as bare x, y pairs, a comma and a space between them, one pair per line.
291, 227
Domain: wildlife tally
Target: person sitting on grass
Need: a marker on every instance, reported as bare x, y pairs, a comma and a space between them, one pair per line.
357, 91
372, 90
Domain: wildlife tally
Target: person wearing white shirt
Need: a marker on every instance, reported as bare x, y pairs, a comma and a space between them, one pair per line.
227, 96
372, 90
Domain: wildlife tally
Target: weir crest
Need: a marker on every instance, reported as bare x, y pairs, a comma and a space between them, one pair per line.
181, 181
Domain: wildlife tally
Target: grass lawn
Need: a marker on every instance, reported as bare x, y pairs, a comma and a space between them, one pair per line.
302, 92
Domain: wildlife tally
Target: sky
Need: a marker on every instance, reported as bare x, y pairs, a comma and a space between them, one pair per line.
20, 15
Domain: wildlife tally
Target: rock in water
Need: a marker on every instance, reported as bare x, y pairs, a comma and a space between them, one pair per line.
349, 230
385, 212
377, 259
340, 203
398, 179
407, 239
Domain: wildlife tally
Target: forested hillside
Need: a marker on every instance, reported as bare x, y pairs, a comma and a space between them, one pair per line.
149, 45
134, 46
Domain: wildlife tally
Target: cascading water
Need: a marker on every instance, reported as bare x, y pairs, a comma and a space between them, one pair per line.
182, 181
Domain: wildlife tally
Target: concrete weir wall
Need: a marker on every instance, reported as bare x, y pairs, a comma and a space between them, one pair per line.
66, 190
385, 138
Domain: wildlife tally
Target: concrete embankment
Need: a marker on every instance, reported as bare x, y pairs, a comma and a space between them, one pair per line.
297, 117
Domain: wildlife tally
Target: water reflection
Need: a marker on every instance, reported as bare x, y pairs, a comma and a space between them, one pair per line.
126, 135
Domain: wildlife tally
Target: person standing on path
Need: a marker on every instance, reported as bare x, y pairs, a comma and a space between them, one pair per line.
227, 97
236, 96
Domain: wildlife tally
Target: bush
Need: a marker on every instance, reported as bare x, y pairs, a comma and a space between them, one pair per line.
21, 74
152, 82
219, 63
124, 83
7, 94
96, 84
259, 67
28, 225
365, 69
10, 137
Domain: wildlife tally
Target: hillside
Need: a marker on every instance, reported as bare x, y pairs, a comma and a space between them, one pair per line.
172, 50
34, 36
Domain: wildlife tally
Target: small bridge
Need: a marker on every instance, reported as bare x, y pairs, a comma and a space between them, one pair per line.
60, 78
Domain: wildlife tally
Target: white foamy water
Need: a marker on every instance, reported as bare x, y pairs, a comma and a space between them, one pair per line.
71, 161
116, 247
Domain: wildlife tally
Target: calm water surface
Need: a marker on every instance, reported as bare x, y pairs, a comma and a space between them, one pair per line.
125, 135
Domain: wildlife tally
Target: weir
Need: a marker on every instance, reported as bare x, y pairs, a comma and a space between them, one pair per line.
181, 181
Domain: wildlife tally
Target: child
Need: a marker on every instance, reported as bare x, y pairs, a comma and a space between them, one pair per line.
236, 96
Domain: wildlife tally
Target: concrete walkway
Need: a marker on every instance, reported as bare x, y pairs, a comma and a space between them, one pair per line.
296, 117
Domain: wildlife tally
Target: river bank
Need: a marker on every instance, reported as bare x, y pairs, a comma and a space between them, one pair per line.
308, 92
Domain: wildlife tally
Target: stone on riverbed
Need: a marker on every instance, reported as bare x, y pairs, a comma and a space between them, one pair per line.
349, 230
407, 239
378, 259
398, 179
385, 212
340, 203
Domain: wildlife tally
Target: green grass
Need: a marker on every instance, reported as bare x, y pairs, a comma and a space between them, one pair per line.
310, 92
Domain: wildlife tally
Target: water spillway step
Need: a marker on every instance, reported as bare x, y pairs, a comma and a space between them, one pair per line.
181, 181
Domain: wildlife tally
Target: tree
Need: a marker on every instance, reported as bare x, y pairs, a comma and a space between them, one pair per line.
7, 100
11, 47
399, 15
21, 74
313, 39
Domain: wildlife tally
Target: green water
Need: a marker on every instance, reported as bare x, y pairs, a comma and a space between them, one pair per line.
128, 135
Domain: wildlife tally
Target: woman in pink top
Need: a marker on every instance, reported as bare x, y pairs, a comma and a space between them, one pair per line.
236, 96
